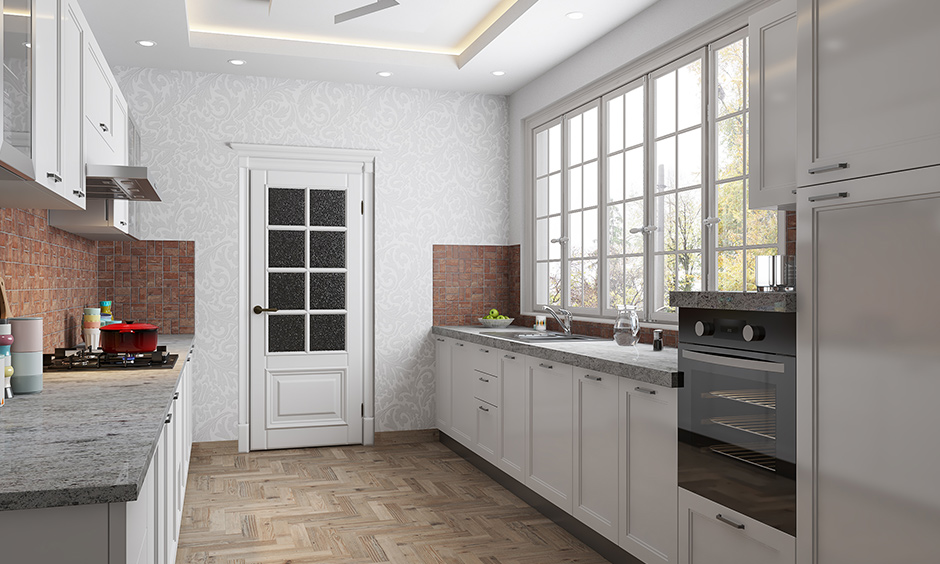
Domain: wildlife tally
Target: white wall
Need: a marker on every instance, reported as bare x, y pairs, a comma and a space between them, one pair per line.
661, 23
442, 178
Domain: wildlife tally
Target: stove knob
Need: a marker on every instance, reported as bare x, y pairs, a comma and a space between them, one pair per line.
704, 328
753, 333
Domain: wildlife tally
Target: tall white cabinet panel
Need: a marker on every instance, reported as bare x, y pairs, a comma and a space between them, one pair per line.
772, 66
648, 471
551, 431
442, 381
867, 363
597, 443
512, 415
463, 413
869, 93
713, 534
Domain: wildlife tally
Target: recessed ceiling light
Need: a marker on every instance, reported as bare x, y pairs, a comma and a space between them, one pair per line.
236, 62
575, 15
499, 73
146, 43
384, 74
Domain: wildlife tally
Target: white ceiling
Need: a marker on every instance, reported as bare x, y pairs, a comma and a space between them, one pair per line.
438, 44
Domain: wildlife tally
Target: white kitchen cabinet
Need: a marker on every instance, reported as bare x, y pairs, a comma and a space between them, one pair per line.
648, 471
773, 95
869, 93
512, 415
101, 220
99, 93
597, 445
463, 420
171, 460
550, 428
442, 381
487, 431
710, 533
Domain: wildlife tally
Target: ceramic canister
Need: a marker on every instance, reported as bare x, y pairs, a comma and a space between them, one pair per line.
27, 334
105, 307
27, 373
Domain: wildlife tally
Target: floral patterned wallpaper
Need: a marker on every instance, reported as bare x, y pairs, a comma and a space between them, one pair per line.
442, 178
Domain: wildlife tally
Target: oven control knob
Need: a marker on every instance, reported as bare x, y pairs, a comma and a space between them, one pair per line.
753, 333
704, 328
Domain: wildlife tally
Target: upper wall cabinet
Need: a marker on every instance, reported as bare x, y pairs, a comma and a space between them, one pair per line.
105, 123
772, 66
869, 90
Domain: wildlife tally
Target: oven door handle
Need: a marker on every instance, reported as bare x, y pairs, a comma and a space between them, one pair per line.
734, 362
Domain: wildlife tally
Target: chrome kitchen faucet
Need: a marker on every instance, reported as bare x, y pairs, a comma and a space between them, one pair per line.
566, 324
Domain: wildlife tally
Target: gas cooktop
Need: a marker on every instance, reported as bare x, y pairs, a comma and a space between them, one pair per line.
83, 359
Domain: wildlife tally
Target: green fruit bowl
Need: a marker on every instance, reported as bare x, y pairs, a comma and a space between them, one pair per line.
496, 323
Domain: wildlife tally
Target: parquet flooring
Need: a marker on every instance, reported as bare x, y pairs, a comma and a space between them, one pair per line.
414, 503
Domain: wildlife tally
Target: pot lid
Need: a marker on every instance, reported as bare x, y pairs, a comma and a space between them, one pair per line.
130, 327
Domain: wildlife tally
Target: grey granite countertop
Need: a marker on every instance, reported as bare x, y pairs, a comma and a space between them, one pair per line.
88, 437
784, 302
639, 363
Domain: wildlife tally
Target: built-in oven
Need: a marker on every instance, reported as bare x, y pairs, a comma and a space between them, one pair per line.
737, 411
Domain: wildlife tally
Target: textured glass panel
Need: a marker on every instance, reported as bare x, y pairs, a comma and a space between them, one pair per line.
634, 163
666, 164
730, 271
328, 208
729, 74
690, 158
574, 141
286, 333
286, 249
286, 290
730, 196
615, 124
328, 290
665, 104
285, 206
690, 94
327, 249
591, 120
328, 332
634, 122
615, 178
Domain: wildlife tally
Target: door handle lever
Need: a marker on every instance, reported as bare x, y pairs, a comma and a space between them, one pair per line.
259, 310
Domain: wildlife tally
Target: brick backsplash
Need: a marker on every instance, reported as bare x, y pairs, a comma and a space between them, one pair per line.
469, 280
150, 281
49, 273
791, 232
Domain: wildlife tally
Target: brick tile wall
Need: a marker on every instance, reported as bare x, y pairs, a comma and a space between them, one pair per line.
150, 281
469, 280
48, 273
791, 233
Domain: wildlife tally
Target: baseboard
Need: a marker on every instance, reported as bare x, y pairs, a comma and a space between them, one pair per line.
385, 438
579, 530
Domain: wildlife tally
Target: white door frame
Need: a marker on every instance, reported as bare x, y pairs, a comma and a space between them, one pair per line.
267, 156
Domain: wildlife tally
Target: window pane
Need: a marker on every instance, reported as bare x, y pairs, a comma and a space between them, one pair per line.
554, 194
615, 178
541, 197
690, 94
590, 233
541, 239
633, 242
633, 281
665, 104
683, 273
575, 244
634, 122
761, 227
730, 200
590, 288
575, 283
729, 75
541, 283
615, 124
615, 229
590, 184
634, 164
666, 164
554, 148
590, 134
574, 188
730, 270
554, 232
730, 150
660, 205
690, 158
751, 253
689, 220
541, 153
615, 283
554, 283
574, 140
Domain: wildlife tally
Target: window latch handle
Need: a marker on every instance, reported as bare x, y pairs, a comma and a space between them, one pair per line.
561, 240
646, 229
711, 221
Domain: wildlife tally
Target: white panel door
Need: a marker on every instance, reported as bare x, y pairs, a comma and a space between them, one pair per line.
512, 416
550, 422
306, 292
597, 452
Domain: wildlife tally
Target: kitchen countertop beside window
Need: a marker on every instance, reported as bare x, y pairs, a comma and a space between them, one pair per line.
88, 437
641, 363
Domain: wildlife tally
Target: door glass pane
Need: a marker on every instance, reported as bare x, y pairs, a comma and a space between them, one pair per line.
590, 184
665, 104
574, 188
554, 194
590, 288
327, 249
328, 290
285, 333
286, 290
541, 283
541, 197
286, 249
541, 240
554, 148
615, 283
541, 153
590, 233
690, 94
285, 206
575, 283
730, 150
554, 232
554, 283
761, 227
328, 208
633, 281
575, 243
328, 332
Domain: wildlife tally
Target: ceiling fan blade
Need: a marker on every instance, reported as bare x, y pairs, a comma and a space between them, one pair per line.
365, 10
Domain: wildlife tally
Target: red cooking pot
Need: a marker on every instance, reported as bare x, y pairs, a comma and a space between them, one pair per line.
129, 338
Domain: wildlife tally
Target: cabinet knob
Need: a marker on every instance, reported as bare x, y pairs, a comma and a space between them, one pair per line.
103, 127
55, 177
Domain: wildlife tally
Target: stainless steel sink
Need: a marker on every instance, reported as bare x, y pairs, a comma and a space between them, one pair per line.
539, 336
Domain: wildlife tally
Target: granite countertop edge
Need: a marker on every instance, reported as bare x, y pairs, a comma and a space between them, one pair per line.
639, 369
125, 488
782, 302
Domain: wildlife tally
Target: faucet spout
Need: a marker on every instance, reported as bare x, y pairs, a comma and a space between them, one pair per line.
566, 322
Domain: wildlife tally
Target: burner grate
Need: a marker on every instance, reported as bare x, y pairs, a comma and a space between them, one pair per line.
82, 359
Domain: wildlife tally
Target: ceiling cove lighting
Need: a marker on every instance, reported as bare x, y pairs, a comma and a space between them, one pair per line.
146, 43
384, 74
575, 15
236, 62
499, 73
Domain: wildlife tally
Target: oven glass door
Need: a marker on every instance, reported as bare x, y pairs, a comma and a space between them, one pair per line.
737, 431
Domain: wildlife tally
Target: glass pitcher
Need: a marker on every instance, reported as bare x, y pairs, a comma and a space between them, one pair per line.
627, 327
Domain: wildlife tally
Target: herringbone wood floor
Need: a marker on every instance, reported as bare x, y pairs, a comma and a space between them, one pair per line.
417, 503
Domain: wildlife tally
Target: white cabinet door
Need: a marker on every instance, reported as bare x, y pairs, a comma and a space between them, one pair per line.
159, 499
101, 220
98, 97
648, 471
463, 405
710, 533
597, 445
487, 431
169, 476
139, 523
550, 425
512, 415
442, 381
869, 90
72, 31
772, 64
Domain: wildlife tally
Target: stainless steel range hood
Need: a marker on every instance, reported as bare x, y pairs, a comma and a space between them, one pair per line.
119, 182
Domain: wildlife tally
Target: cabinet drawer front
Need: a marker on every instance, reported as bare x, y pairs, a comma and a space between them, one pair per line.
486, 388
486, 359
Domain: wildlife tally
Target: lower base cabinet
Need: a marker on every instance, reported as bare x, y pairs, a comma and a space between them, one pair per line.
710, 533
550, 423
597, 452
512, 435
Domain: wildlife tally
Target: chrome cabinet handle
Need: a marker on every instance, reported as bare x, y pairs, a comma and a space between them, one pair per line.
440, 340
55, 177
727, 521
646, 391
509, 356
543, 365
487, 410
485, 351
482, 379
176, 396
123, 223
103, 127
459, 344
834, 196
259, 310
169, 417
78, 193
595, 378
828, 168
